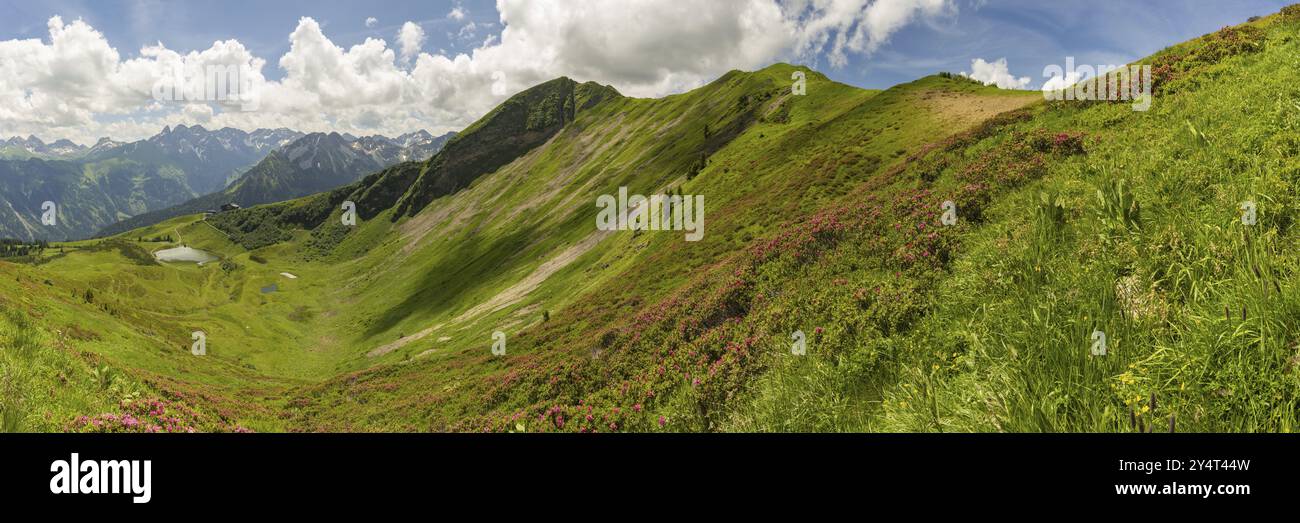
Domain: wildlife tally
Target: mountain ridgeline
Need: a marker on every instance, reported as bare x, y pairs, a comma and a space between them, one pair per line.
519, 125
513, 128
97, 186
320, 162
209, 159
33, 147
311, 164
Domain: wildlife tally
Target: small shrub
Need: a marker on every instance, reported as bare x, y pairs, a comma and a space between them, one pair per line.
1225, 43
104, 376
1066, 143
1049, 220
1119, 209
1291, 13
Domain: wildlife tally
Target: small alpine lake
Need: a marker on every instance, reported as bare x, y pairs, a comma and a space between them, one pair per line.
184, 254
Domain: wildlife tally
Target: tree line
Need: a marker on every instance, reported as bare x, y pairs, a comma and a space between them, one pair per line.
10, 248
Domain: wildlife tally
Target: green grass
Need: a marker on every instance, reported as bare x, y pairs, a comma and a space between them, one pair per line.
44, 382
1196, 307
822, 216
289, 351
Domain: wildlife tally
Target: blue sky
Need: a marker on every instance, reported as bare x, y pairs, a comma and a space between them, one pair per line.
466, 63
1030, 34
263, 26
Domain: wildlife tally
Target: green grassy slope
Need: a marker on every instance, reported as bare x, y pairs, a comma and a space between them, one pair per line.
1197, 306
994, 333
75, 359
408, 304
89, 195
912, 326
444, 329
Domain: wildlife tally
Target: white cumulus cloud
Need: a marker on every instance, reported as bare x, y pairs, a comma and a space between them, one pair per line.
995, 73
410, 38
74, 84
840, 27
372, 21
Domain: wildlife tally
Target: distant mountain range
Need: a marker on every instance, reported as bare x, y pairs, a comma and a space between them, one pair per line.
314, 163
210, 159
94, 187
33, 147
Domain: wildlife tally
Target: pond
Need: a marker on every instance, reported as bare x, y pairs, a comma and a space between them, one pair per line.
184, 254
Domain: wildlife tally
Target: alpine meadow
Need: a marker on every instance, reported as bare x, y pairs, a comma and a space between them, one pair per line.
770, 249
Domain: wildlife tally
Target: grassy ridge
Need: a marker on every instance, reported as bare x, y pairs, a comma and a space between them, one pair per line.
982, 327
590, 299
1195, 305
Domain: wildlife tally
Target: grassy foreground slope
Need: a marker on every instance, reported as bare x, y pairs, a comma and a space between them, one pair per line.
1141, 238
1107, 220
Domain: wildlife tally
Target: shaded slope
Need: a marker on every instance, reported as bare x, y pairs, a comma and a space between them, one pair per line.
87, 196
522, 122
117, 181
